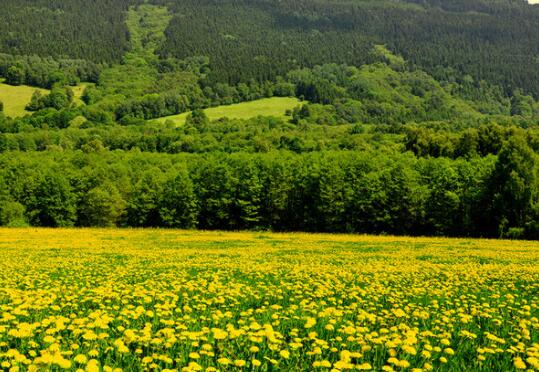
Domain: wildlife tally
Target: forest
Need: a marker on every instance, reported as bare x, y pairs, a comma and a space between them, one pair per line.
413, 117
333, 191
494, 41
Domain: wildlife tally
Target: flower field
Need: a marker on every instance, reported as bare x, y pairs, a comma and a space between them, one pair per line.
174, 300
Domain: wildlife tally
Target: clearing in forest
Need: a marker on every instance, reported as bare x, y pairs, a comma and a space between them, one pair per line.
190, 300
275, 106
15, 98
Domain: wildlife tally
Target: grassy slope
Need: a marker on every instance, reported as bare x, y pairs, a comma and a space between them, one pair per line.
275, 106
78, 91
15, 99
136, 75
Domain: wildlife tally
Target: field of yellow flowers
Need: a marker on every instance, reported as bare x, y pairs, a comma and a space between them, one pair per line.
111, 300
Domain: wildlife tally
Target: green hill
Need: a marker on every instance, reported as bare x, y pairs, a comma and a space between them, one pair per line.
497, 41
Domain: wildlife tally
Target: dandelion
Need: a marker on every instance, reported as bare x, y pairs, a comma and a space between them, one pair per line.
519, 363
81, 359
311, 322
296, 304
223, 361
240, 363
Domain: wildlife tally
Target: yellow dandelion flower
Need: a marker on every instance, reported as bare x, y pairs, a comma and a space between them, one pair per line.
284, 354
519, 363
311, 322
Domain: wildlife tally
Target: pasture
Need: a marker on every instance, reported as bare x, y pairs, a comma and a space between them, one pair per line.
186, 300
275, 106
15, 98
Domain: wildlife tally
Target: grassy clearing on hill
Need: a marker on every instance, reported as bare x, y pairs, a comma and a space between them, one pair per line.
16, 98
78, 91
275, 106
191, 300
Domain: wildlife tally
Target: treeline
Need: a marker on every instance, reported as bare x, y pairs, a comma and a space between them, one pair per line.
447, 39
45, 72
67, 131
364, 192
91, 130
425, 141
76, 29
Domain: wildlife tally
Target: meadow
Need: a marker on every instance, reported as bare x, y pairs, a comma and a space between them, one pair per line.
275, 106
16, 98
184, 300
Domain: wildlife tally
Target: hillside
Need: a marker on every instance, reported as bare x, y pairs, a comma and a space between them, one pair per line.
496, 41
77, 29
402, 117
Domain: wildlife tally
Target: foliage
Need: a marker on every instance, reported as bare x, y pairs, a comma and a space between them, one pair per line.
91, 30
321, 127
262, 39
341, 191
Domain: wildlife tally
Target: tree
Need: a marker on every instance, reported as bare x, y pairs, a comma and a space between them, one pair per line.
522, 105
15, 75
12, 214
246, 211
333, 197
52, 203
513, 184
197, 118
143, 204
215, 190
35, 102
178, 205
102, 206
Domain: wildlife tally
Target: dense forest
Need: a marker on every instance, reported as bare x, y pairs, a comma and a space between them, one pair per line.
416, 117
494, 41
366, 192
77, 29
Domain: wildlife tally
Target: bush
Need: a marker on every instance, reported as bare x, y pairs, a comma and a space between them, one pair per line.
12, 214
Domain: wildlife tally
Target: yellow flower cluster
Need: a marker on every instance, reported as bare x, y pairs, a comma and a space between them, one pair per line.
113, 300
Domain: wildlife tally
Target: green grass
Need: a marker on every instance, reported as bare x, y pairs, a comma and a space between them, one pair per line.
79, 91
275, 106
15, 99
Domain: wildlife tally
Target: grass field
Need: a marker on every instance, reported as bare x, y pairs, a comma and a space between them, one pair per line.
185, 300
275, 106
15, 99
